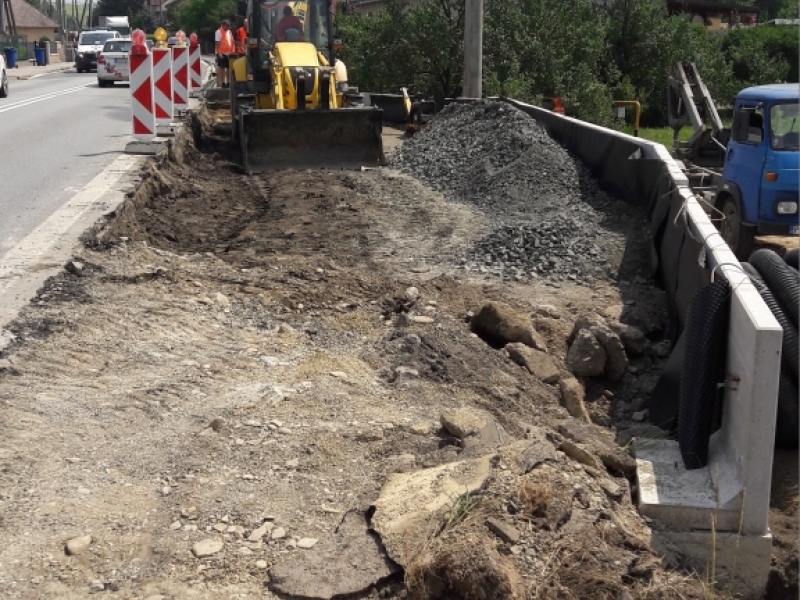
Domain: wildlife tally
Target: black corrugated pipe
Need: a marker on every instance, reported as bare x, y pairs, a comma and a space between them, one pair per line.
790, 353
781, 278
792, 258
787, 428
706, 333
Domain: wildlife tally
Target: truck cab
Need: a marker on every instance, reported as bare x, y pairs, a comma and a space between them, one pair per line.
90, 45
758, 191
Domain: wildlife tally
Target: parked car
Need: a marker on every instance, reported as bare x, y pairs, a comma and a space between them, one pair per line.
3, 78
90, 44
112, 64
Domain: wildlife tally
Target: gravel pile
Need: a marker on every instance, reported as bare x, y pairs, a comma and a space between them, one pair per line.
549, 249
550, 218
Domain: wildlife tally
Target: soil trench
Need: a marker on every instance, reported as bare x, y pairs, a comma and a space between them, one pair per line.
234, 366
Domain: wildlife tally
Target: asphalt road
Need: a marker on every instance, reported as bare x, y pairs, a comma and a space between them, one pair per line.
58, 132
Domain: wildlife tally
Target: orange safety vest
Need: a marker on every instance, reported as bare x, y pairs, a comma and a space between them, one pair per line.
241, 40
226, 42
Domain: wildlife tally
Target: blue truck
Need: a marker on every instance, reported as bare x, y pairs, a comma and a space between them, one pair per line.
748, 173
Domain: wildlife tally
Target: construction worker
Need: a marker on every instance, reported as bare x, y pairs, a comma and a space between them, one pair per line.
288, 23
241, 38
224, 46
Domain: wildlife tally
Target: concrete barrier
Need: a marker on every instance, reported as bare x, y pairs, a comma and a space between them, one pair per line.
731, 495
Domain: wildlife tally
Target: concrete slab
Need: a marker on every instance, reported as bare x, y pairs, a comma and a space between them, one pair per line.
739, 564
409, 509
167, 130
147, 148
679, 498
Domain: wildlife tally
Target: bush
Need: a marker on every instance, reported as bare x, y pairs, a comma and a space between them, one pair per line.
760, 55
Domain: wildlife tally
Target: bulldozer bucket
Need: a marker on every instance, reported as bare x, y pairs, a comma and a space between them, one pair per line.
346, 138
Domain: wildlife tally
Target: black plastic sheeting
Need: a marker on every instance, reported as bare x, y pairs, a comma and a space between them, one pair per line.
634, 171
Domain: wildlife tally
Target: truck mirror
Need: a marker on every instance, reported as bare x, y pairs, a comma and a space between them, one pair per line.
740, 130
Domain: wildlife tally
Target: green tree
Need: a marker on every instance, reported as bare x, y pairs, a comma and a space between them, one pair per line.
203, 16
419, 46
760, 55
646, 43
536, 48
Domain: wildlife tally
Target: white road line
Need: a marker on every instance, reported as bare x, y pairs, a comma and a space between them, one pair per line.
35, 99
28, 255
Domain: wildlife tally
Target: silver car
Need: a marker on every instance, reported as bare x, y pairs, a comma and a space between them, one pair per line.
112, 64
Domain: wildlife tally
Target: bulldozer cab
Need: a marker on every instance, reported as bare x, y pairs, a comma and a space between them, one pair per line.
281, 21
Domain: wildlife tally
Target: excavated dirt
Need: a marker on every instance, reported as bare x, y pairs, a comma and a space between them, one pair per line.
233, 363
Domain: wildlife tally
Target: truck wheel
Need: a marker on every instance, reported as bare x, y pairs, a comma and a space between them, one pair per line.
740, 238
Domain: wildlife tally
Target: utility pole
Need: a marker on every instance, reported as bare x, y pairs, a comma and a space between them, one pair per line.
473, 49
2, 16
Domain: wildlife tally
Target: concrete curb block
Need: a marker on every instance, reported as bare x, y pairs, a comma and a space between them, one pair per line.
25, 75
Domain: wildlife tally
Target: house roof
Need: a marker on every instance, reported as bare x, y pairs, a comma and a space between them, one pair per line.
27, 16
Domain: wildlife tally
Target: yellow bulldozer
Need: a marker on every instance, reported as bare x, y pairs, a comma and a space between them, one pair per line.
287, 109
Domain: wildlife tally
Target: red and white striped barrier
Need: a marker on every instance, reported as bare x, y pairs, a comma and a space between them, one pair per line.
180, 78
195, 73
141, 85
162, 77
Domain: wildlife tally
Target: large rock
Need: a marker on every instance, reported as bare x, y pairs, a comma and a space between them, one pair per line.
601, 443
342, 565
462, 422
498, 325
205, 548
572, 395
616, 359
78, 545
586, 357
578, 452
538, 363
411, 506
635, 341
585, 321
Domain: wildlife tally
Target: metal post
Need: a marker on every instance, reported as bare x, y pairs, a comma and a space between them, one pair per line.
473, 49
2, 16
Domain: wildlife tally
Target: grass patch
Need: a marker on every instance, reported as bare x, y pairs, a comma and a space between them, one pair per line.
660, 135
462, 506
